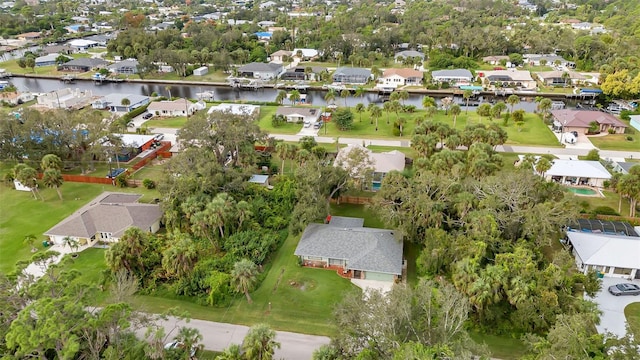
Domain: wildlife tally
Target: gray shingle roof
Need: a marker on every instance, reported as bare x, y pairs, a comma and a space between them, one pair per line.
365, 249
346, 222
105, 215
91, 62
256, 66
452, 73
349, 71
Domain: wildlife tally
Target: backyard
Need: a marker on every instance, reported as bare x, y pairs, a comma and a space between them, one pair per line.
632, 313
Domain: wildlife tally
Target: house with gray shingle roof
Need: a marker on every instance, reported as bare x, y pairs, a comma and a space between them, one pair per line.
264, 71
106, 218
348, 75
454, 77
82, 64
353, 250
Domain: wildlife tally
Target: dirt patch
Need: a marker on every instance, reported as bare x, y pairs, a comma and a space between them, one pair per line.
303, 285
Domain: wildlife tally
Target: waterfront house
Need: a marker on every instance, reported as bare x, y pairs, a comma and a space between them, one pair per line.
348, 75
454, 77
263, 71
401, 77
114, 102
581, 121
83, 65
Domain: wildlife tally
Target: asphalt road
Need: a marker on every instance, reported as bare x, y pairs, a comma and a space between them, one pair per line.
218, 336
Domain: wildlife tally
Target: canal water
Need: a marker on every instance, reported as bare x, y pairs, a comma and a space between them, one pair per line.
223, 93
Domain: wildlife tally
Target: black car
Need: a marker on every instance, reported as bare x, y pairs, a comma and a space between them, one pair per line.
624, 289
147, 116
318, 125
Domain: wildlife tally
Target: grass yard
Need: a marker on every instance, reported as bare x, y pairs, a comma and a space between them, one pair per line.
501, 347
533, 132
168, 122
632, 313
611, 200
90, 263
617, 142
150, 171
290, 298
23, 215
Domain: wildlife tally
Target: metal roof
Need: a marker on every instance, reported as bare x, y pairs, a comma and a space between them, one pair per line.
603, 226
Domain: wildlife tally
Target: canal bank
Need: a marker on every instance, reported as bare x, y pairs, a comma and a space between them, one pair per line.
223, 91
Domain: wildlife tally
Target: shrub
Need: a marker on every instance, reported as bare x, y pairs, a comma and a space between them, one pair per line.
605, 210
629, 138
121, 180
149, 184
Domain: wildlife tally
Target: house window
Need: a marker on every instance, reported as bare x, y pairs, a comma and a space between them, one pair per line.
622, 271
314, 258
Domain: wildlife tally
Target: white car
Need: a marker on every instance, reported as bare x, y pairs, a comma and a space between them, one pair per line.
307, 123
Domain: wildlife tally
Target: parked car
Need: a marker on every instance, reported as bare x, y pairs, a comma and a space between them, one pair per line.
158, 137
307, 123
318, 125
115, 172
624, 289
147, 116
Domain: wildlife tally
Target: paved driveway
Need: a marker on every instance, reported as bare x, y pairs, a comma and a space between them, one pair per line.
612, 307
310, 131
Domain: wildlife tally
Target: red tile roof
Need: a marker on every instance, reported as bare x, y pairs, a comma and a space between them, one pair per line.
582, 118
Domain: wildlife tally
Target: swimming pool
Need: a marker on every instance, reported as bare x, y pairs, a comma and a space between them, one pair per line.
583, 191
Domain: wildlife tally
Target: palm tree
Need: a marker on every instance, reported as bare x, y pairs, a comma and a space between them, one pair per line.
282, 94
345, 94
294, 96
467, 95
359, 109
359, 92
401, 123
27, 176
259, 343
396, 107
387, 107
330, 97
233, 352
430, 111
52, 178
544, 106
543, 165
513, 100
455, 111
51, 161
125, 102
71, 243
244, 277
428, 101
376, 112
189, 338
403, 95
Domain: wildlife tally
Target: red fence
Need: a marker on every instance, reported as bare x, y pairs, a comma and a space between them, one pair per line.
356, 200
86, 179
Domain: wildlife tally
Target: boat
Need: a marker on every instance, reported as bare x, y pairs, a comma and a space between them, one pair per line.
4, 84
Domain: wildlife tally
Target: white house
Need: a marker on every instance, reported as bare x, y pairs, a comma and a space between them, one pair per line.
299, 114
307, 54
106, 218
577, 172
612, 255
510, 77
178, 107
400, 77
235, 109
65, 98
114, 102
455, 77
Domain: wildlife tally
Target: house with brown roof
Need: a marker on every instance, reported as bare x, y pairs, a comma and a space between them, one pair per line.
510, 77
580, 121
106, 218
178, 107
29, 36
280, 56
401, 77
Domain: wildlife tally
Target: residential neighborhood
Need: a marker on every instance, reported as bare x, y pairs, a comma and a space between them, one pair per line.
319, 180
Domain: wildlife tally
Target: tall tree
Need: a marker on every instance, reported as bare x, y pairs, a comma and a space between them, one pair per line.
52, 178
359, 109
513, 100
244, 277
467, 95
455, 111
260, 343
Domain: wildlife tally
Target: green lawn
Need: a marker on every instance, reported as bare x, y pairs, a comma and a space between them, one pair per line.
533, 132
23, 215
90, 263
168, 122
610, 199
290, 298
501, 347
632, 313
150, 171
617, 142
